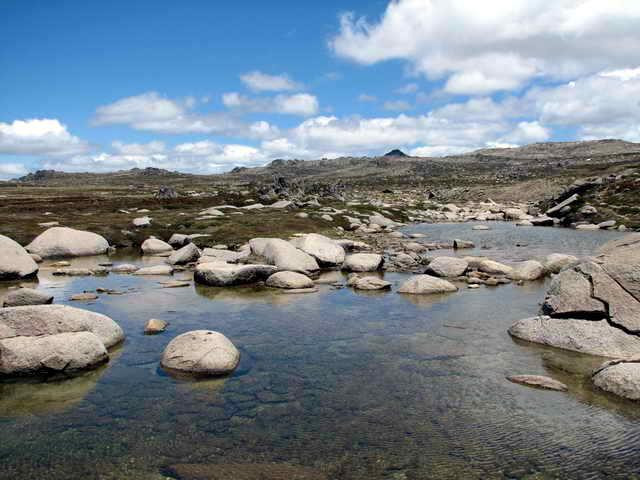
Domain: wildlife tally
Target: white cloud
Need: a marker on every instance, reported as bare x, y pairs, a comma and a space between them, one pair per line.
302, 104
481, 47
138, 148
154, 113
396, 105
263, 82
599, 106
196, 157
39, 137
11, 170
438, 151
527, 132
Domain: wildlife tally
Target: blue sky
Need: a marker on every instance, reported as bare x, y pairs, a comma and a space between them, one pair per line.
205, 86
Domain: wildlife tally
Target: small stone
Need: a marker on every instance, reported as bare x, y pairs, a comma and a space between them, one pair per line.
154, 326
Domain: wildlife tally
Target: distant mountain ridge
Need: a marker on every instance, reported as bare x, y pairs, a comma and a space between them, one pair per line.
394, 166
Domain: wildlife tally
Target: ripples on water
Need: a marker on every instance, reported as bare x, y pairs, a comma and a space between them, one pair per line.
356, 386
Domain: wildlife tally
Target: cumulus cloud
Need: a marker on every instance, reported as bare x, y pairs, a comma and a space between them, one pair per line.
155, 113
505, 44
600, 106
263, 82
39, 137
302, 104
11, 170
196, 157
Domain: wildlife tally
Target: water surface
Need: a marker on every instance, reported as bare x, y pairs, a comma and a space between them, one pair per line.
357, 386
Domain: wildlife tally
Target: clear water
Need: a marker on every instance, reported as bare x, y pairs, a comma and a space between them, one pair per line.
507, 242
354, 386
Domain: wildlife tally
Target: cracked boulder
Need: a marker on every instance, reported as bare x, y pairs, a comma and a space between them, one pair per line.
587, 291
621, 260
593, 307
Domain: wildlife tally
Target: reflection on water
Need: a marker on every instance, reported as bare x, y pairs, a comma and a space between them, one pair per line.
335, 384
508, 243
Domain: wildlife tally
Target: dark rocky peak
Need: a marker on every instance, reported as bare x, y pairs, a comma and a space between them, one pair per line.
395, 153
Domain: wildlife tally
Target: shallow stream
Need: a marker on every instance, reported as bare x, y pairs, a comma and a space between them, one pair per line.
351, 385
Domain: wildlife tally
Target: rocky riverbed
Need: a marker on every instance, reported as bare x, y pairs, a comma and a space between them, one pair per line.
375, 354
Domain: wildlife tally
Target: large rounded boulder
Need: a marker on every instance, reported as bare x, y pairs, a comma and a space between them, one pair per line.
289, 280
15, 262
201, 352
620, 377
155, 246
426, 284
285, 256
220, 274
26, 296
67, 242
363, 262
323, 249
447, 266
45, 338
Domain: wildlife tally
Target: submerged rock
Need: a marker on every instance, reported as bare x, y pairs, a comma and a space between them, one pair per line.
246, 471
538, 381
15, 262
67, 242
203, 352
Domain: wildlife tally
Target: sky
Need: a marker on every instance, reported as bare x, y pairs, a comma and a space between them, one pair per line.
204, 86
